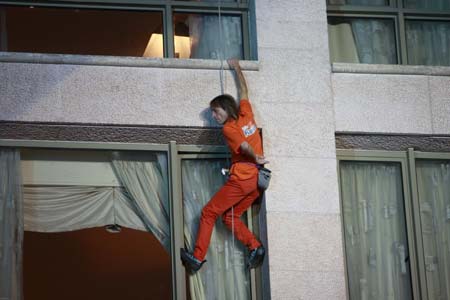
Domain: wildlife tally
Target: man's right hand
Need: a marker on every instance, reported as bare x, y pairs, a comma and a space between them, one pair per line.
233, 63
261, 160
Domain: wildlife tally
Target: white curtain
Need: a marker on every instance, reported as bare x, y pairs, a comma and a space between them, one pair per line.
358, 40
145, 179
224, 275
428, 43
11, 225
433, 182
68, 208
375, 231
206, 41
375, 41
342, 43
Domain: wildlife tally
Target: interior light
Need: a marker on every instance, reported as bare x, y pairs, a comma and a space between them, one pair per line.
113, 228
155, 46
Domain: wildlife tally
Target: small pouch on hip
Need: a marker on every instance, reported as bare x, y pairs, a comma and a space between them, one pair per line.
264, 176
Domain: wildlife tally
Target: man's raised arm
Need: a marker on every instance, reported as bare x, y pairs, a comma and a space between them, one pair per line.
243, 92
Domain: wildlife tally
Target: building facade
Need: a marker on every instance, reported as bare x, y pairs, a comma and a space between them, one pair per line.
370, 108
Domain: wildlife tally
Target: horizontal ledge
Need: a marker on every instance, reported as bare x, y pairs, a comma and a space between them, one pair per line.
390, 69
120, 61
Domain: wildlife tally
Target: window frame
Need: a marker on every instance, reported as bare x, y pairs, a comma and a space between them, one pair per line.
175, 154
240, 8
407, 159
396, 10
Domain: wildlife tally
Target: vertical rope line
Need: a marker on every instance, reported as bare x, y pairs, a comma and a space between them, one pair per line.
220, 47
221, 75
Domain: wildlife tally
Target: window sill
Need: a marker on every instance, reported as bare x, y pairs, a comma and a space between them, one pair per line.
120, 61
390, 69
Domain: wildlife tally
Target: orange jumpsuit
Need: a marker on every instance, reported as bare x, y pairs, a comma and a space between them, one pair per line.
240, 191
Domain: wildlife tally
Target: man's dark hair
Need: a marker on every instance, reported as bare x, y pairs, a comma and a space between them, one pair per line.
227, 103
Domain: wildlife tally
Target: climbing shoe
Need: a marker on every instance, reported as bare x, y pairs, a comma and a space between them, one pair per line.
191, 263
256, 257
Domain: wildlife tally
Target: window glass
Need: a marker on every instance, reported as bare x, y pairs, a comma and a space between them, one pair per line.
81, 31
198, 36
428, 42
355, 40
359, 2
213, 1
225, 275
428, 4
433, 183
375, 231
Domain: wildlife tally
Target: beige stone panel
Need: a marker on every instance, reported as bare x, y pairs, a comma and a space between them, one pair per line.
296, 130
303, 185
305, 77
292, 24
314, 285
305, 242
30, 92
382, 103
440, 104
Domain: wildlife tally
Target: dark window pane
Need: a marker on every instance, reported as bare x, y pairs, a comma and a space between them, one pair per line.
369, 41
359, 2
198, 36
81, 31
70, 265
428, 43
216, 2
428, 4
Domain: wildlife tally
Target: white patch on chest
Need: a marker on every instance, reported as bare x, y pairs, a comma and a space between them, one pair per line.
249, 129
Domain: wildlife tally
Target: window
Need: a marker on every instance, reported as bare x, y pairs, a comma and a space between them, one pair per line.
396, 216
226, 275
151, 28
157, 189
414, 32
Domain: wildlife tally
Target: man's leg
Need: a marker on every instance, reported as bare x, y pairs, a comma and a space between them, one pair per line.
230, 194
232, 220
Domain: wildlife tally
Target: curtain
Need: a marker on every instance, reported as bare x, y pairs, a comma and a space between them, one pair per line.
68, 208
362, 41
206, 41
145, 179
224, 276
433, 182
11, 225
375, 41
375, 231
342, 43
428, 43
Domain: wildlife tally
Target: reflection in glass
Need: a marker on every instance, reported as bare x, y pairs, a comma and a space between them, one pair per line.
376, 243
433, 182
428, 43
213, 1
428, 4
369, 41
359, 2
198, 36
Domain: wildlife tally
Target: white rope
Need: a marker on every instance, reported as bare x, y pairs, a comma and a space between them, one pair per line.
220, 48
221, 76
